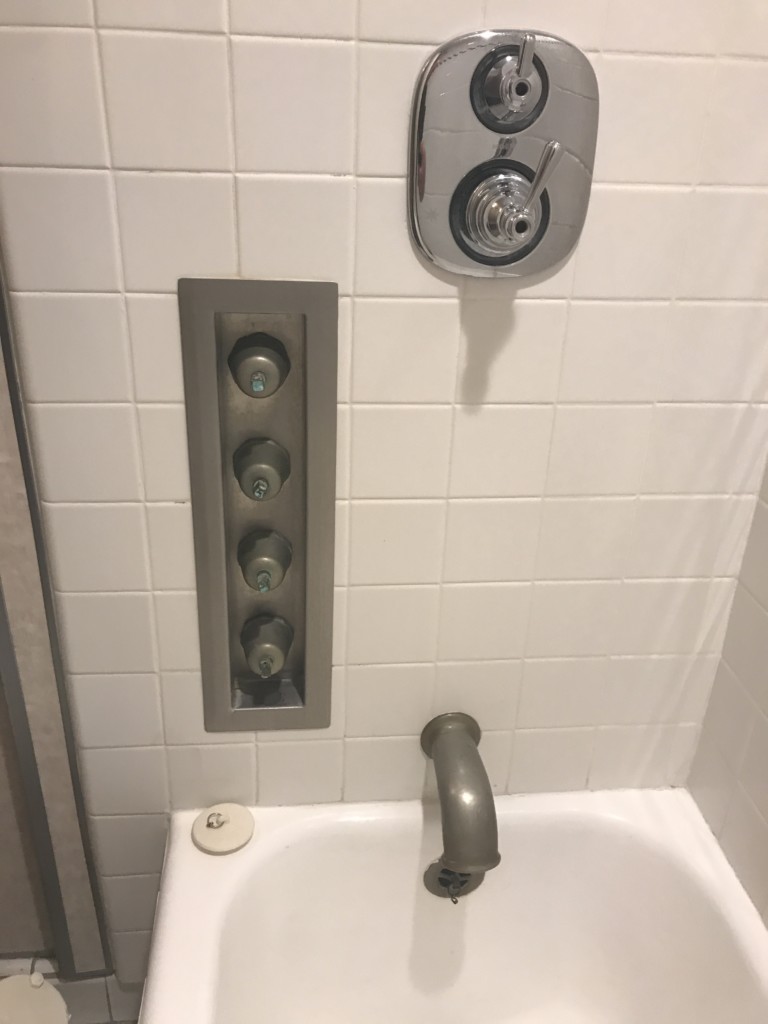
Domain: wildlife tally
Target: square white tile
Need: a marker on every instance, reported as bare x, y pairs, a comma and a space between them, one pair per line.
171, 549
599, 449
86, 999
656, 149
405, 350
163, 431
125, 780
382, 145
297, 133
386, 260
491, 541
616, 351
658, 690
58, 230
489, 692
42, 12
130, 951
510, 352
179, 15
483, 621
687, 26
683, 536
50, 99
130, 901
205, 775
573, 619
400, 452
432, 21
500, 451
619, 254
393, 768
133, 844
333, 18
633, 757
732, 269
584, 538
182, 697
167, 100
744, 839
550, 760
582, 26
672, 616
175, 225
86, 453
706, 449
563, 692
300, 773
153, 323
97, 547
392, 625
396, 542
72, 348
275, 211
177, 637
389, 700
107, 633
732, 127
717, 352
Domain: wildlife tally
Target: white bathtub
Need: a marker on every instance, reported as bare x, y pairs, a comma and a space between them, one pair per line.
608, 908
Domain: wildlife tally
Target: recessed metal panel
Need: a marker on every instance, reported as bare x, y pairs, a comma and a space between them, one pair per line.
300, 417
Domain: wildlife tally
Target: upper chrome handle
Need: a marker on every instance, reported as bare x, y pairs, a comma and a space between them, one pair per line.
516, 88
550, 158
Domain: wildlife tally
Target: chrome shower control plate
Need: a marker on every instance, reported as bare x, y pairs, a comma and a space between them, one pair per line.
503, 135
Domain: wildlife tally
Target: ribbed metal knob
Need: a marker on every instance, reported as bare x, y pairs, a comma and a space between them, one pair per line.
259, 364
266, 642
261, 466
264, 557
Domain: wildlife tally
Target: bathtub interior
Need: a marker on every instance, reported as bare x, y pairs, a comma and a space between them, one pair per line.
594, 917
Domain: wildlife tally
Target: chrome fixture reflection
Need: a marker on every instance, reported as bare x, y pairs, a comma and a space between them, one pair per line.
503, 135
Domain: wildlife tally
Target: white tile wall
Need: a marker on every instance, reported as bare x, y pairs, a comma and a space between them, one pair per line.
729, 773
543, 496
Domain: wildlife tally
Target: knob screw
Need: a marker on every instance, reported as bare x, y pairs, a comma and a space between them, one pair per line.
265, 668
260, 488
258, 382
263, 581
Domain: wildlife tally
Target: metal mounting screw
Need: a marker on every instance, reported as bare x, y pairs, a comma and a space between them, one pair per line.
258, 382
265, 667
216, 819
263, 581
260, 488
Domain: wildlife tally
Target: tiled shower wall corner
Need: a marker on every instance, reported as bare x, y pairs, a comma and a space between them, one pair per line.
730, 770
544, 494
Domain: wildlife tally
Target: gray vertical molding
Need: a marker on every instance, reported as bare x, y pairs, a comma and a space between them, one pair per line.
33, 681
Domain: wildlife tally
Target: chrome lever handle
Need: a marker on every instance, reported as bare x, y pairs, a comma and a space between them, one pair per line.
550, 158
525, 56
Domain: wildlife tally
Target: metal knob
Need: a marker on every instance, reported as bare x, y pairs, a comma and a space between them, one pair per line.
505, 212
266, 642
261, 466
509, 89
264, 558
259, 364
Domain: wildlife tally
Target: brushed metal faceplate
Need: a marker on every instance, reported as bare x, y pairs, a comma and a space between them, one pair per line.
300, 416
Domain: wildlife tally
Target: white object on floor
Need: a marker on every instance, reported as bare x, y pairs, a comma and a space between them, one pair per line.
30, 999
607, 908
222, 828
